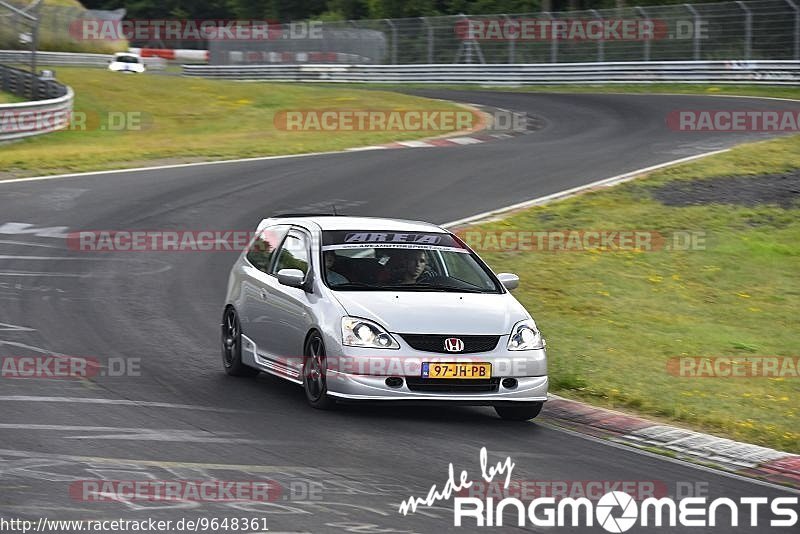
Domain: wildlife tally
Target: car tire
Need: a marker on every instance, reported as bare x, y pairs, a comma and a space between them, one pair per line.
519, 412
315, 366
232, 345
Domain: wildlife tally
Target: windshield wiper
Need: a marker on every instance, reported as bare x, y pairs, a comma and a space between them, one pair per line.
463, 289
407, 287
425, 287
354, 285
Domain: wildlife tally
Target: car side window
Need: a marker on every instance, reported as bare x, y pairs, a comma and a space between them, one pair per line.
293, 254
263, 248
461, 271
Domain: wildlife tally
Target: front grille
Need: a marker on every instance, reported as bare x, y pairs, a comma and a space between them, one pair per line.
435, 342
471, 385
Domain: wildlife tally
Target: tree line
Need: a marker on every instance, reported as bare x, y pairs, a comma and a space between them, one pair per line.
288, 10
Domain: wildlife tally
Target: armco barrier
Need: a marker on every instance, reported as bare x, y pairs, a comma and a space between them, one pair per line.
745, 72
49, 110
69, 59
55, 58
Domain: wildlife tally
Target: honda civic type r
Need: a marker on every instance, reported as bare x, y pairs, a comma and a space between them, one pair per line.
370, 309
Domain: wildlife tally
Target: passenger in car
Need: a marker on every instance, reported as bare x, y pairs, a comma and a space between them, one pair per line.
333, 277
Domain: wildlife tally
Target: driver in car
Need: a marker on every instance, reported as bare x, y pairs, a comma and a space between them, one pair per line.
413, 267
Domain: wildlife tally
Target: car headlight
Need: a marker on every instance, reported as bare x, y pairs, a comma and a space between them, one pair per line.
525, 336
362, 333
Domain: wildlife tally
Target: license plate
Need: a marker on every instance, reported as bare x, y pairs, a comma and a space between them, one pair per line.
456, 370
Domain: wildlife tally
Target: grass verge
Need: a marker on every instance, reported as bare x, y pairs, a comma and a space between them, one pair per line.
8, 98
614, 319
187, 119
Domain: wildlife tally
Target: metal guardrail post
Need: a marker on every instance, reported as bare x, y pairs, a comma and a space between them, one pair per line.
696, 30
35, 36
553, 41
748, 29
393, 27
34, 47
430, 38
468, 45
646, 42
796, 29
601, 48
511, 42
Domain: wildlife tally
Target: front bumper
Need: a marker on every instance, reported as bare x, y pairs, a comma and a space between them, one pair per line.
360, 374
366, 387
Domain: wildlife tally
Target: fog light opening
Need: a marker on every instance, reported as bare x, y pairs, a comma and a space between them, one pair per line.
394, 382
509, 383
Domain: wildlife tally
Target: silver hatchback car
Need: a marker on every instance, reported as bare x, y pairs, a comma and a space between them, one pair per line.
370, 309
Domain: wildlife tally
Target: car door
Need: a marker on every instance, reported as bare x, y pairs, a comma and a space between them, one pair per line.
257, 284
290, 307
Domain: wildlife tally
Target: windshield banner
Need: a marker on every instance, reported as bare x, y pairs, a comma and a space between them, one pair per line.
349, 239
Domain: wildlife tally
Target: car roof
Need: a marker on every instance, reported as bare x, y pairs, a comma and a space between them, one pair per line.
340, 222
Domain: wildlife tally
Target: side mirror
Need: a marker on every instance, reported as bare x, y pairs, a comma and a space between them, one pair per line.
291, 278
510, 281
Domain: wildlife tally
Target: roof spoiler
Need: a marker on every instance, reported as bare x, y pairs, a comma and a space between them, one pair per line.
297, 215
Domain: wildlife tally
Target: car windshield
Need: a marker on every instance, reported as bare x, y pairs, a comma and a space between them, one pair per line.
126, 59
362, 260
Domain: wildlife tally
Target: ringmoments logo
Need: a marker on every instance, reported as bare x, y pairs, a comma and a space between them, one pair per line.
605, 509
615, 511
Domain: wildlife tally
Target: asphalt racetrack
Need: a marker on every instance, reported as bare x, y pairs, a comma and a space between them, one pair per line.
179, 417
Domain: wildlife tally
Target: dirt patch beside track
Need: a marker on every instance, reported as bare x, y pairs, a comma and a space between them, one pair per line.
780, 189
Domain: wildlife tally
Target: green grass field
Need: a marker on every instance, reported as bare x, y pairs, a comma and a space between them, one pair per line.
187, 119
8, 98
614, 319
